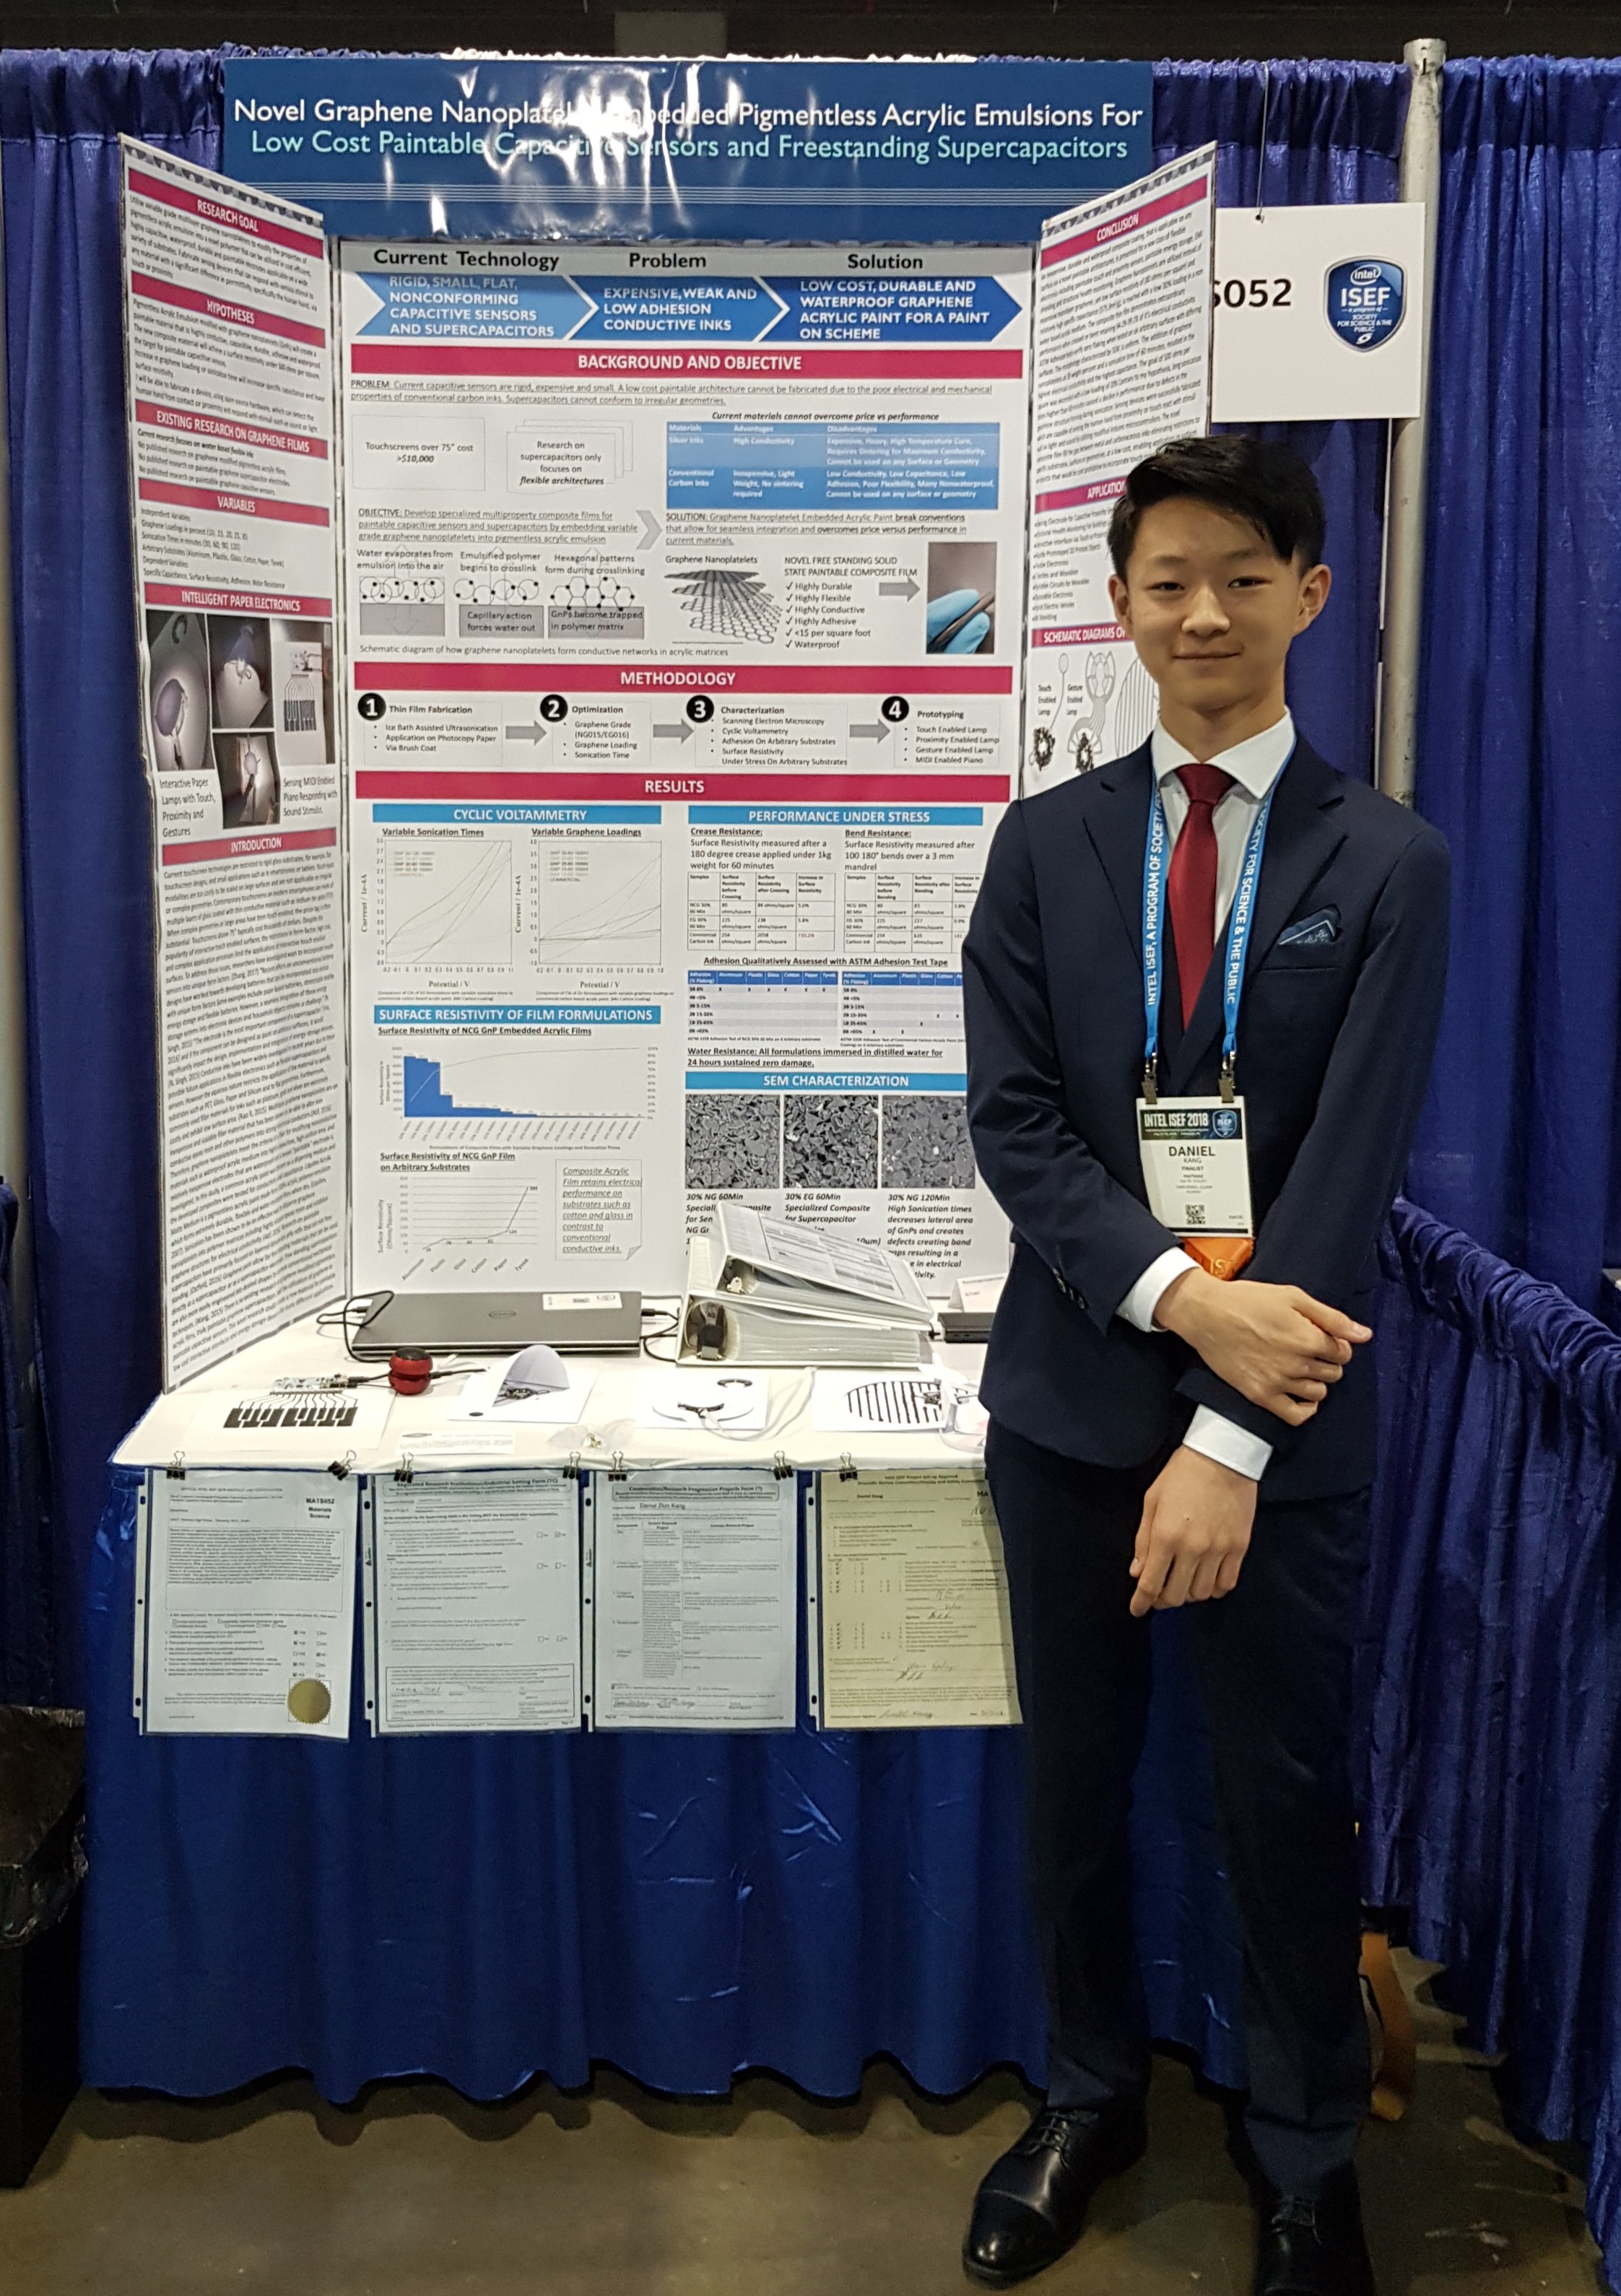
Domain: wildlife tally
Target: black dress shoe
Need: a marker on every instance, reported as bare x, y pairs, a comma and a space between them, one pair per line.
1032, 2204
1313, 2247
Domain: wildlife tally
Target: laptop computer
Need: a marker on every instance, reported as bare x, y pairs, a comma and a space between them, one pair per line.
499, 1323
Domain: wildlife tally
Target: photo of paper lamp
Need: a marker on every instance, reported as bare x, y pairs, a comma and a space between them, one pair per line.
248, 787
240, 692
179, 693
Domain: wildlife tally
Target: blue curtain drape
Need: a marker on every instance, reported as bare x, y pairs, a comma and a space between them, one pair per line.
1489, 1674
1520, 724
86, 860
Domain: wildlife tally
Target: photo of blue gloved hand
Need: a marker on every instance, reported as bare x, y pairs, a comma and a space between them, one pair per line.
958, 622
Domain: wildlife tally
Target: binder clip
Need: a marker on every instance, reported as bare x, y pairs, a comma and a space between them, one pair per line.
780, 1467
340, 1468
176, 1469
572, 1468
616, 1472
846, 1468
404, 1472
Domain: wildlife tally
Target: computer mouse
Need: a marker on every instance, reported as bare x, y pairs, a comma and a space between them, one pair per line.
536, 1371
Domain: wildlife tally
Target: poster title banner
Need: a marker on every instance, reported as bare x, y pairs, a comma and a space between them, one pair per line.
524, 147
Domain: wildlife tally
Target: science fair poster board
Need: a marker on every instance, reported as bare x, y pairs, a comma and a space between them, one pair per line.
683, 594
230, 412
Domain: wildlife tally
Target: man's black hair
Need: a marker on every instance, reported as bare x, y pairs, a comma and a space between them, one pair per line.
1255, 479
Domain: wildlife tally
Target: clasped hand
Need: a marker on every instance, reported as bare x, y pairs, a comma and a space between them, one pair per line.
1272, 1342
1280, 1348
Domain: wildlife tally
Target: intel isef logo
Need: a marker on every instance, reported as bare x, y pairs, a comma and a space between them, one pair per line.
1366, 300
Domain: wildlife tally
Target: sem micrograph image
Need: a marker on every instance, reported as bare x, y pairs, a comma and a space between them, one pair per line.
732, 1140
926, 1142
830, 1140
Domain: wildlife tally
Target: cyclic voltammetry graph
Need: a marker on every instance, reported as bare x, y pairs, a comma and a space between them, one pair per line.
447, 903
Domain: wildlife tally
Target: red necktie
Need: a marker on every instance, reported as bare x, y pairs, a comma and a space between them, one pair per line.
1192, 888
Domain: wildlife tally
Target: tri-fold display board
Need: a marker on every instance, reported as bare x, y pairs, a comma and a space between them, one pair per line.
611, 661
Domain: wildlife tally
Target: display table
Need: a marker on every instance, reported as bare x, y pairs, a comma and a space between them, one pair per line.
682, 1904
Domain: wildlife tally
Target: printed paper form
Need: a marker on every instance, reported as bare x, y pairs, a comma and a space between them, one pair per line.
477, 1614
696, 1601
915, 1630
249, 1600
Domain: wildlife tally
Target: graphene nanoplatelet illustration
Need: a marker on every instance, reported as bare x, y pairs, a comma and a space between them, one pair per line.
728, 602
925, 1141
734, 1140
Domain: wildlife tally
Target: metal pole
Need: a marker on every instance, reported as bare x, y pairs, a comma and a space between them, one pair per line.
13, 989
1398, 693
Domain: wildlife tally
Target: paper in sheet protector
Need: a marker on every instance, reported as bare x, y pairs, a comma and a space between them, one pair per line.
231, 438
916, 1631
476, 1602
245, 1610
697, 1587
1121, 364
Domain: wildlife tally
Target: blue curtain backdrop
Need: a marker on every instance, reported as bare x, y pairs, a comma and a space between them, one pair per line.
1520, 731
85, 842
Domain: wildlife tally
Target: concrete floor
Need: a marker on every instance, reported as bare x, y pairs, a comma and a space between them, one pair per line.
622, 2194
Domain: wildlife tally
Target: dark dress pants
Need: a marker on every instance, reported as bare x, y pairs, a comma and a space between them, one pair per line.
1273, 1659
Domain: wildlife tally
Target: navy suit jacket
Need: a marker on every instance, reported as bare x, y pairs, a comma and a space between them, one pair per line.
1336, 1029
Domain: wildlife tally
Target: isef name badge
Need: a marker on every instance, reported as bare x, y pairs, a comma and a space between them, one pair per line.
1366, 300
1196, 1169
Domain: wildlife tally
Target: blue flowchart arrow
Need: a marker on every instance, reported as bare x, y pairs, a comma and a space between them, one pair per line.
679, 310
500, 306
883, 310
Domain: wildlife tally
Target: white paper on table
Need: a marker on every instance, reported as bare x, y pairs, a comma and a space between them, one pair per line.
476, 1440
476, 1603
916, 1632
696, 1599
553, 1406
230, 1428
935, 1402
696, 1400
249, 1600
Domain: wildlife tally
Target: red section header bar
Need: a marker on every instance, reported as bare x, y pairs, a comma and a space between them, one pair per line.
197, 203
235, 434
229, 505
1186, 195
708, 789
218, 307
662, 678
201, 600
1080, 634
1095, 491
591, 362
247, 848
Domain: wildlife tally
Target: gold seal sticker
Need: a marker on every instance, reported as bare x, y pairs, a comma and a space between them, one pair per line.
310, 1702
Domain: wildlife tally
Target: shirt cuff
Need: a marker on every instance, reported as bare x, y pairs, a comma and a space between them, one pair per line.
1228, 1444
1151, 1287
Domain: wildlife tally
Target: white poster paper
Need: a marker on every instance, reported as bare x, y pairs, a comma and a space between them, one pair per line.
913, 1598
696, 1601
684, 595
249, 1596
1122, 364
477, 1602
229, 383
1319, 312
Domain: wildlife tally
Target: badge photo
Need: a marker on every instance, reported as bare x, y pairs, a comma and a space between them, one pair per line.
1365, 301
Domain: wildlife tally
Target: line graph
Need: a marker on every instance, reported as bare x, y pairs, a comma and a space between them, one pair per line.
447, 905
457, 1224
601, 903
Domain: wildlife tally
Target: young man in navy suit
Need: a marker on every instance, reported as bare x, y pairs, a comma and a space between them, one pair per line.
1162, 1434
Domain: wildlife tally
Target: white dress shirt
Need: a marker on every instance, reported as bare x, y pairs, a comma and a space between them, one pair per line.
1255, 766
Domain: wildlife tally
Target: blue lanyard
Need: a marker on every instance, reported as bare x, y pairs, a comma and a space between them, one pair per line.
1241, 918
